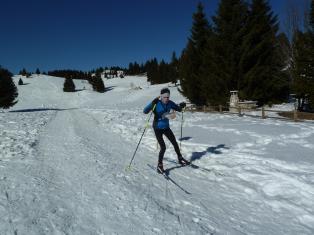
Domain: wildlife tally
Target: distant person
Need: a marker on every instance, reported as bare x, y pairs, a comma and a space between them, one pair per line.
162, 114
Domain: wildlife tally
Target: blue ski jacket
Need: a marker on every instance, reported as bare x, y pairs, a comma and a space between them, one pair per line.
160, 109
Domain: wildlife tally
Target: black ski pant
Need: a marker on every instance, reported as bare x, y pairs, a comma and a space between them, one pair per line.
169, 134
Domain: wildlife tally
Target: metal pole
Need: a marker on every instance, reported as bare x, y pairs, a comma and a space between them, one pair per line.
181, 127
147, 123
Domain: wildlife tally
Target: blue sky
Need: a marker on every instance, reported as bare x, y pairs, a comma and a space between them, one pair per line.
85, 34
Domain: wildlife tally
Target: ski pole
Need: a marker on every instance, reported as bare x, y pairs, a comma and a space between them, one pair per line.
181, 127
146, 125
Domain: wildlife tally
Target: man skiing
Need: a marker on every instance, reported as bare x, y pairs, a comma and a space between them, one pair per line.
162, 112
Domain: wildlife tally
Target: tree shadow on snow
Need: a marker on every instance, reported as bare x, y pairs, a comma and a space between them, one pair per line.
185, 138
38, 110
109, 88
76, 90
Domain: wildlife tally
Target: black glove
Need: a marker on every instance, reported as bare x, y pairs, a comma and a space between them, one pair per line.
155, 101
182, 105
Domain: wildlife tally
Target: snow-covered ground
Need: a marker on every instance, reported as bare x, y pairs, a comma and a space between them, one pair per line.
64, 155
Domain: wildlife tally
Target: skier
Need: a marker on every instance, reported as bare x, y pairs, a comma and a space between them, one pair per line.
162, 113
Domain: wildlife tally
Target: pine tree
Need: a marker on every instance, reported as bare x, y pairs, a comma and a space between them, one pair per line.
8, 90
23, 72
163, 72
262, 77
220, 69
303, 63
153, 75
311, 16
285, 48
311, 59
131, 69
37, 71
98, 84
136, 69
68, 85
191, 58
174, 75
21, 82
215, 87
229, 29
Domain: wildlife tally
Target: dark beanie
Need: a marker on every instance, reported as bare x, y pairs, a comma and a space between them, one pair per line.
164, 90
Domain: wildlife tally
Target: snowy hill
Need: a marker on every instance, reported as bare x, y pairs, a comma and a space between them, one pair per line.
63, 158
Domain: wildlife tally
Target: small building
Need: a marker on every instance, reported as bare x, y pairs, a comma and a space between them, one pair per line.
110, 73
234, 99
235, 103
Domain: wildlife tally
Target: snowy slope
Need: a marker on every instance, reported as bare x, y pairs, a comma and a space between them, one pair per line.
63, 159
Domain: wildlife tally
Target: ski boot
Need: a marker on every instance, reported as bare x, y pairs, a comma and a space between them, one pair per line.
183, 162
160, 168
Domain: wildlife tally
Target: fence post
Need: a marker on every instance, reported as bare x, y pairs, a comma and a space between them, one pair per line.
263, 113
239, 110
204, 108
220, 108
295, 115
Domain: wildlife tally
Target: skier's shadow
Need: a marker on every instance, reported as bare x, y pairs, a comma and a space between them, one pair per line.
168, 170
185, 138
215, 150
197, 156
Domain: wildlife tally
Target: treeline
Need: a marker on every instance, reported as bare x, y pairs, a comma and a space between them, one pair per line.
93, 77
135, 69
157, 72
108, 72
74, 74
162, 72
27, 74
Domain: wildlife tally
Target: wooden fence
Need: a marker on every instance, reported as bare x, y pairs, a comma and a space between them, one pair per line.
258, 112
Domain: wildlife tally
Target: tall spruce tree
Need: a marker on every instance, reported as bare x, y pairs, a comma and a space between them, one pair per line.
8, 90
191, 58
215, 88
229, 27
220, 70
303, 62
312, 16
262, 76
311, 61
